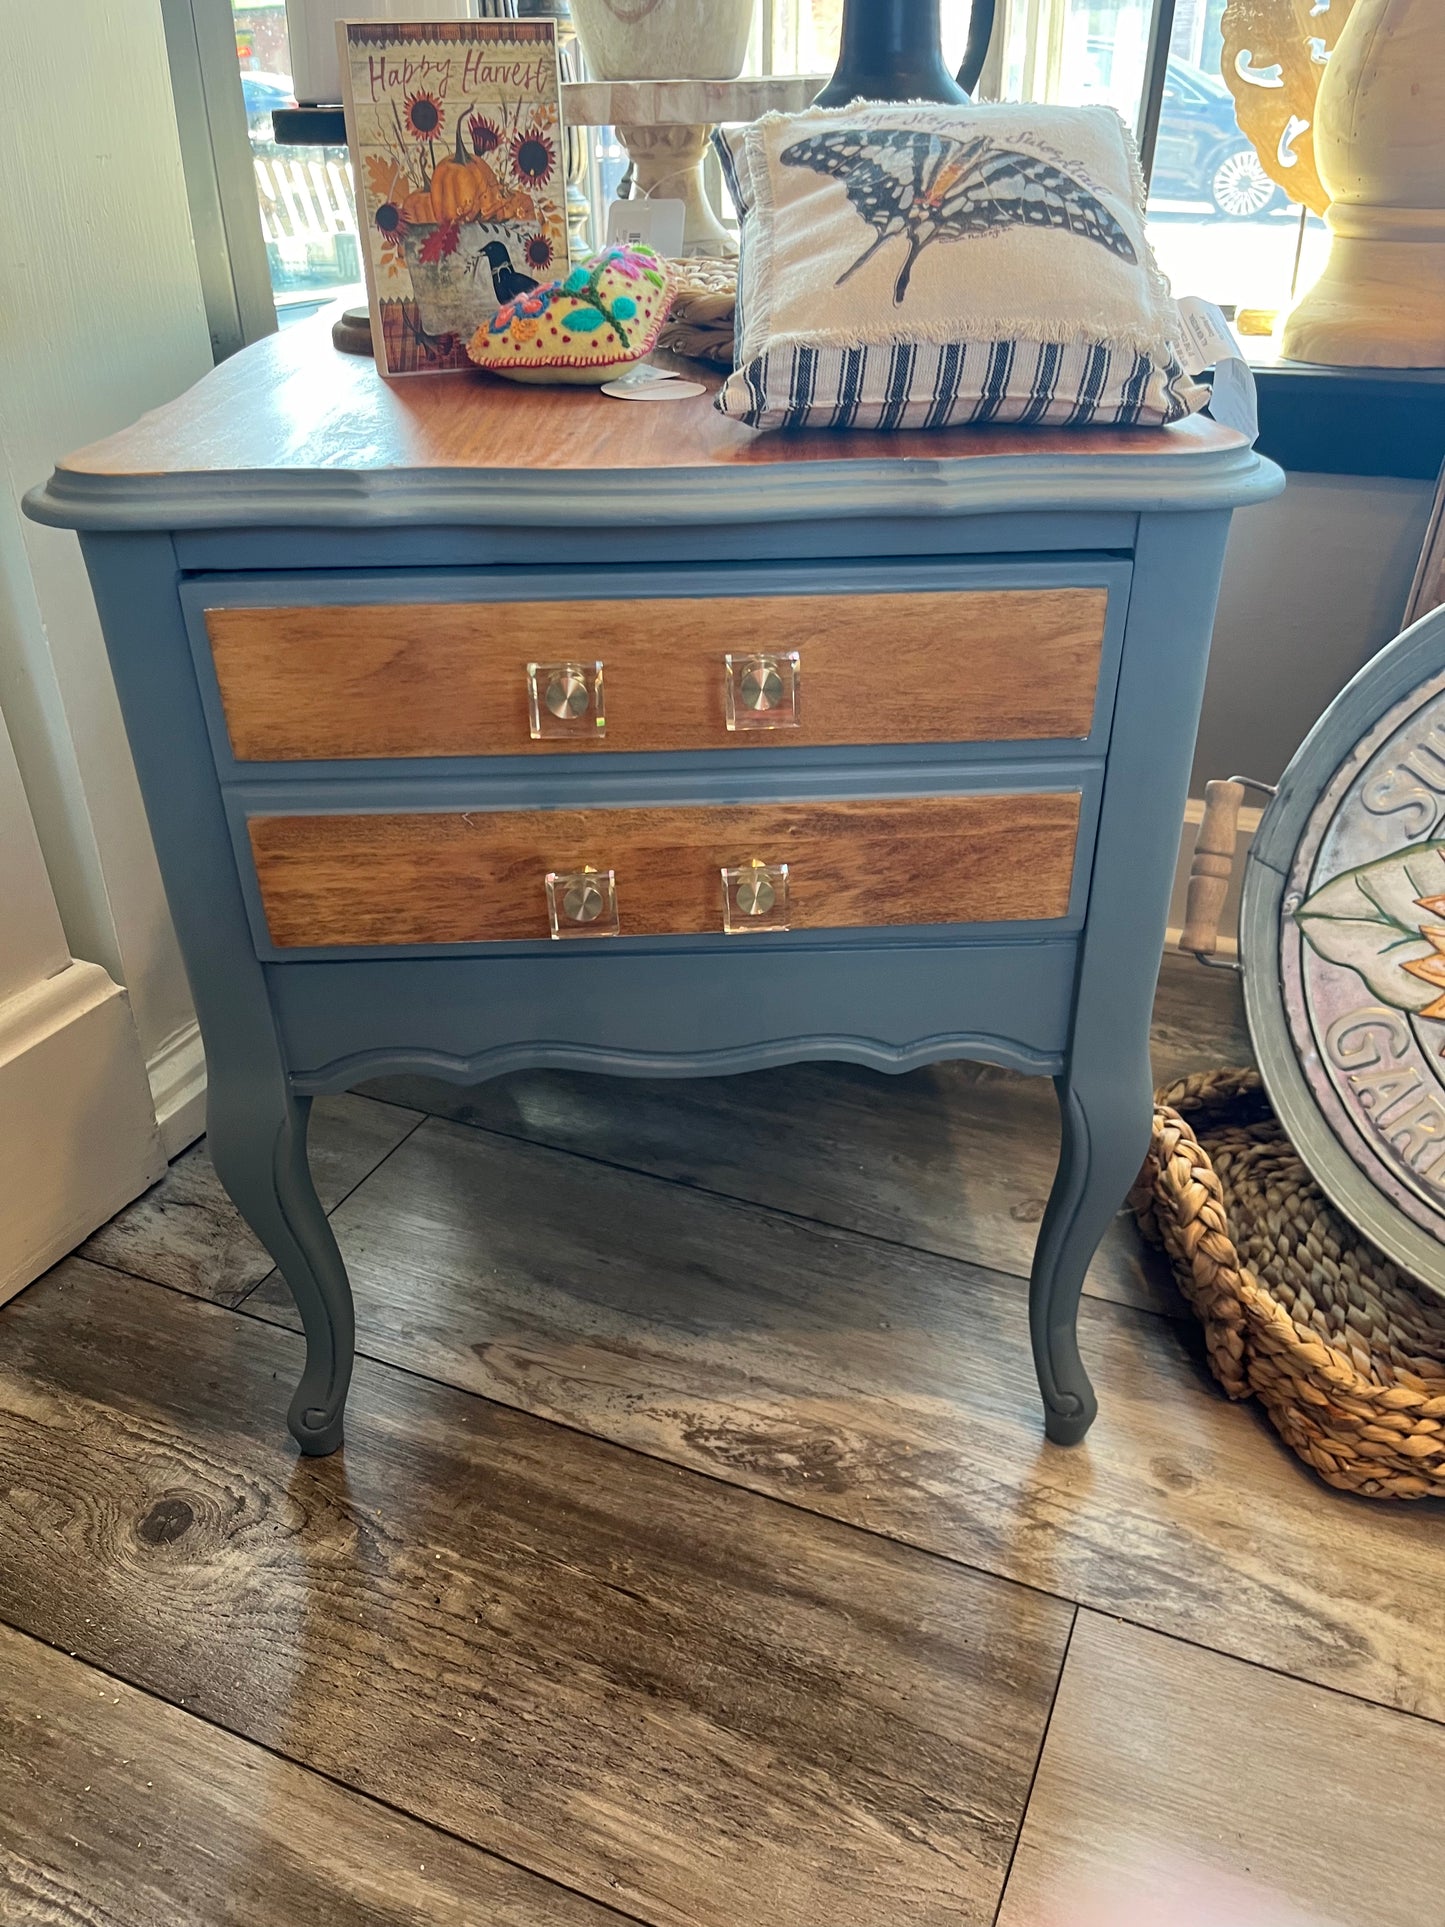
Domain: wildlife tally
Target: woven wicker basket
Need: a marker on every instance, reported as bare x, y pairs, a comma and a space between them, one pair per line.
1298, 1310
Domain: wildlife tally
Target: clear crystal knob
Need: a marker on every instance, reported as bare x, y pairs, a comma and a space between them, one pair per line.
582, 900
761, 686
762, 691
582, 903
756, 896
566, 695
565, 702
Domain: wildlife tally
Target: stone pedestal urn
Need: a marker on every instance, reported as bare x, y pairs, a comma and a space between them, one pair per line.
664, 39
669, 40
1379, 143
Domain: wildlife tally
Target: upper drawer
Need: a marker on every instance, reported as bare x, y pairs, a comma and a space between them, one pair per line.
326, 680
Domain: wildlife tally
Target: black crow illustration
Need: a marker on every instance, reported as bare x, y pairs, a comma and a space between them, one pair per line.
507, 284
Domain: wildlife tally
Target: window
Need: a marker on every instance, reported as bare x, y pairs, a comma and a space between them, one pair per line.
308, 210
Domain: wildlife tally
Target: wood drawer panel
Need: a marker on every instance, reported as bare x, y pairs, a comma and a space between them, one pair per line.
477, 877
449, 679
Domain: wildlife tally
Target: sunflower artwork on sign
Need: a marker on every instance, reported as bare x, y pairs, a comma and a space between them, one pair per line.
458, 152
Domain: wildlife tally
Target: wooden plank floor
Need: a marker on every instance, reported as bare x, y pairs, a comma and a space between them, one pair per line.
695, 1557
1225, 1797
166, 1817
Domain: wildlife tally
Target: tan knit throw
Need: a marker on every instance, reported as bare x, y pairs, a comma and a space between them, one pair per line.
704, 298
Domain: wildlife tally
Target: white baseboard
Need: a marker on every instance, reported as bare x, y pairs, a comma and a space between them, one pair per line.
177, 1073
1249, 821
76, 1122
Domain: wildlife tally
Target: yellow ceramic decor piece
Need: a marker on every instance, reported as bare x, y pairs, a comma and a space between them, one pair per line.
598, 323
1275, 54
1256, 321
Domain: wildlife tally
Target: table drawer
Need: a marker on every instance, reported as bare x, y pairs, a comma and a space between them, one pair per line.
479, 876
424, 679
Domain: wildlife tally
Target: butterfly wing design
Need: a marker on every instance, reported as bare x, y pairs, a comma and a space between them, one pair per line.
928, 187
884, 174
1006, 188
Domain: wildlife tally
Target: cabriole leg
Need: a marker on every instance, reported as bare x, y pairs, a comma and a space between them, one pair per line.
257, 1140
1105, 1134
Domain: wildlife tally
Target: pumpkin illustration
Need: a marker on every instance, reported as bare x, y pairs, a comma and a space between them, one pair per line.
467, 188
418, 207
490, 194
463, 187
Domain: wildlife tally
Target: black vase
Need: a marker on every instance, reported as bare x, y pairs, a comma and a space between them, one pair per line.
892, 50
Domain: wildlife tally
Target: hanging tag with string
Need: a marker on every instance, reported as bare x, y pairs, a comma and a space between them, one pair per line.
1209, 343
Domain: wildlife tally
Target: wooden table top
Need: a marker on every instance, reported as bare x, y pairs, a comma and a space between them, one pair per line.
292, 422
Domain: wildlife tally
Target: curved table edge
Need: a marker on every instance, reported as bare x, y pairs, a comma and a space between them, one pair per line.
986, 484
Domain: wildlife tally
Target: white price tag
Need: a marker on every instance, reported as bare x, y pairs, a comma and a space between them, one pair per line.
1209, 343
647, 224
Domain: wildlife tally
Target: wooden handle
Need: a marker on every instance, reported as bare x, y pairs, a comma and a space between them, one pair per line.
1212, 868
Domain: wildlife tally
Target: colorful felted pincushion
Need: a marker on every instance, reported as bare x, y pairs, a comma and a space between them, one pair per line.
597, 324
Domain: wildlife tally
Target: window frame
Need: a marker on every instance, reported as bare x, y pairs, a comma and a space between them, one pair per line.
220, 183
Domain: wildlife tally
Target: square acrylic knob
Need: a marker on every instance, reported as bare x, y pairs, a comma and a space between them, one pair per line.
763, 692
755, 897
564, 699
582, 903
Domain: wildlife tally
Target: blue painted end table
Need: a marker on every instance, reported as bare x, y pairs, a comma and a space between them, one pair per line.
483, 727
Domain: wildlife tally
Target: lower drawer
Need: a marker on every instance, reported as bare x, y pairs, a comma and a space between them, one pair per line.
513, 875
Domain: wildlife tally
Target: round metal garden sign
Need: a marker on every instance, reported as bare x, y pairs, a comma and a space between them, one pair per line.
1343, 945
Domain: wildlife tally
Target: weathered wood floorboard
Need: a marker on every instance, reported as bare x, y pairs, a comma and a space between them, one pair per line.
185, 1231
120, 1809
686, 1701
888, 1387
1179, 1787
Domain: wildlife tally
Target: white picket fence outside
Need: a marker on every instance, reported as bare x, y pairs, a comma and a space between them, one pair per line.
305, 204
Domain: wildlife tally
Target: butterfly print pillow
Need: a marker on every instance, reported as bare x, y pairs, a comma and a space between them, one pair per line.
913, 267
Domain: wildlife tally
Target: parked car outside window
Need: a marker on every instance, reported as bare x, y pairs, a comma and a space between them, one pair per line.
262, 93
1202, 155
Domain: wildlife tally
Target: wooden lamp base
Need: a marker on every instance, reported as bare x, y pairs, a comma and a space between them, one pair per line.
1379, 143
1380, 302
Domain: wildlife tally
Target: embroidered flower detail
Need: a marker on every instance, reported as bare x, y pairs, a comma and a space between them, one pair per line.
520, 307
624, 264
